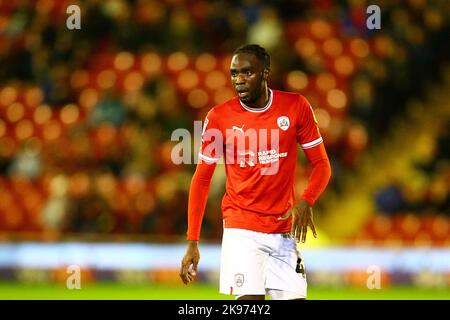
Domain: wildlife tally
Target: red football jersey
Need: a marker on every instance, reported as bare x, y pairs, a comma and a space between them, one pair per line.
259, 147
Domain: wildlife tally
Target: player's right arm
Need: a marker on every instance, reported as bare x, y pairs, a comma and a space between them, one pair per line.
198, 196
209, 154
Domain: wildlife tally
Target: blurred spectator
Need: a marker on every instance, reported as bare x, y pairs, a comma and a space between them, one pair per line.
55, 86
89, 211
55, 212
26, 162
267, 31
390, 200
109, 109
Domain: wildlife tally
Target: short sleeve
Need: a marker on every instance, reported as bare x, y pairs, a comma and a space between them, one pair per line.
308, 134
211, 148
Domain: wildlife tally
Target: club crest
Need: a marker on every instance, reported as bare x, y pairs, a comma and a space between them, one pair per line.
239, 279
283, 123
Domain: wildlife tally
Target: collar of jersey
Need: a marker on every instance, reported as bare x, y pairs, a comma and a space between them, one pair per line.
266, 107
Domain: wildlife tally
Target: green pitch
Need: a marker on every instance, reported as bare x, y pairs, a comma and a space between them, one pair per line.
112, 291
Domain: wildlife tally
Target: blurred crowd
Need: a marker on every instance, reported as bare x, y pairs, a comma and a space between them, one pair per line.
87, 115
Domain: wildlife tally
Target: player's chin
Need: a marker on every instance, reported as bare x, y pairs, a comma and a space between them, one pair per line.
247, 98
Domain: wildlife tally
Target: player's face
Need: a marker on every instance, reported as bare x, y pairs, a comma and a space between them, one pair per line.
248, 76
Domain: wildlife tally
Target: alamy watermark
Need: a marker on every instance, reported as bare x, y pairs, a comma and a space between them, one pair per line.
374, 278
74, 19
73, 281
374, 19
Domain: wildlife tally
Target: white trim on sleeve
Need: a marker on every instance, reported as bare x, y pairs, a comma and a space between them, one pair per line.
312, 144
207, 159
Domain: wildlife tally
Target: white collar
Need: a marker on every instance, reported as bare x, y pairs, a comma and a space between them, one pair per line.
266, 107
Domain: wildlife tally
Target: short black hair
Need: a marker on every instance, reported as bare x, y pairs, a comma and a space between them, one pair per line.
256, 50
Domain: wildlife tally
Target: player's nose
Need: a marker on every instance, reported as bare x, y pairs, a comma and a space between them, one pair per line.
239, 80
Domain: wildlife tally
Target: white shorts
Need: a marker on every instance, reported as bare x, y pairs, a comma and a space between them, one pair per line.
255, 263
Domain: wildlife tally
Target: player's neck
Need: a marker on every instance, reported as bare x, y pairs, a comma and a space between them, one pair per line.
262, 100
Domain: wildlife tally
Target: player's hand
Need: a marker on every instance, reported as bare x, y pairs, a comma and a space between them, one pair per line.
191, 258
302, 217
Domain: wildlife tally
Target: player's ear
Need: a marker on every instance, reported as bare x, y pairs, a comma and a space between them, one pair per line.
266, 74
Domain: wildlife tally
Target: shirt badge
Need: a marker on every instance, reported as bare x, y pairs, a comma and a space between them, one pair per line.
283, 123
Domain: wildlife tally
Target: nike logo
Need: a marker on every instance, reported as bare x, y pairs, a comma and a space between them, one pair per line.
241, 129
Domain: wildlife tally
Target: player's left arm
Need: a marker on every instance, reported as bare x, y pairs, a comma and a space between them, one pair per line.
309, 138
320, 174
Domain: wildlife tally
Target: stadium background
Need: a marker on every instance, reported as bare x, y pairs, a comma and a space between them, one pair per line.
86, 118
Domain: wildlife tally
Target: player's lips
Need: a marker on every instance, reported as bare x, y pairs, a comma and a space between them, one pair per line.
242, 92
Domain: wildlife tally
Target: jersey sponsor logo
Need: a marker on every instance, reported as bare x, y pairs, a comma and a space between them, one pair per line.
247, 160
240, 129
283, 123
239, 279
270, 156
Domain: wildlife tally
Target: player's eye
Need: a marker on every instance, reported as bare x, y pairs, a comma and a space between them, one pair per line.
249, 73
